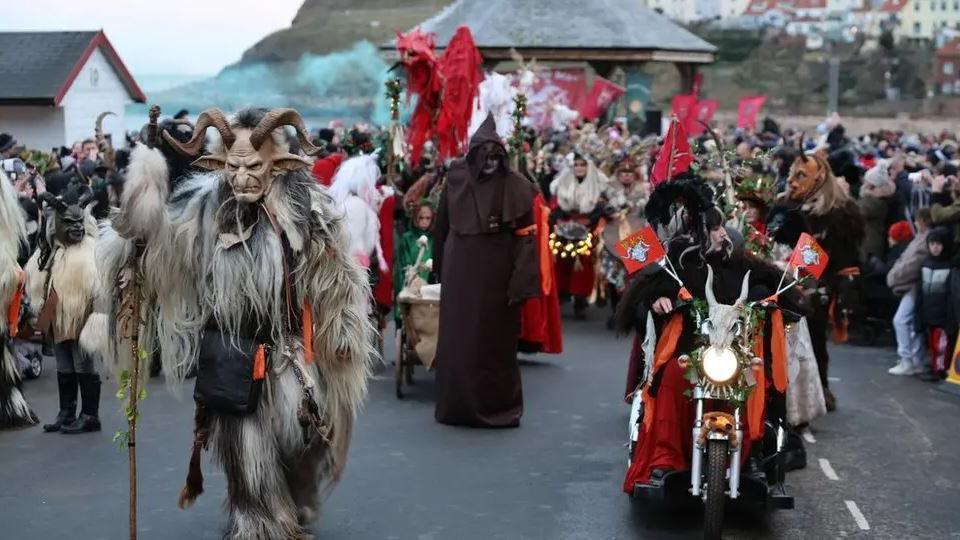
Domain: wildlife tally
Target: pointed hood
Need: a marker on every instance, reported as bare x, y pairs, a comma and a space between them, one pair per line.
490, 204
477, 152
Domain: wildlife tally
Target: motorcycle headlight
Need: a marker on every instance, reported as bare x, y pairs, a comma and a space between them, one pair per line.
719, 365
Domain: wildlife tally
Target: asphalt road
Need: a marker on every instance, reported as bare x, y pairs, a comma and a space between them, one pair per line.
889, 457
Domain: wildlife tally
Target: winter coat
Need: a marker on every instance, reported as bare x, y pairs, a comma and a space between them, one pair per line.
875, 203
945, 211
905, 274
934, 303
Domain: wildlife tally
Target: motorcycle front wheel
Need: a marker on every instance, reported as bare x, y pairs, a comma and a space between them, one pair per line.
716, 486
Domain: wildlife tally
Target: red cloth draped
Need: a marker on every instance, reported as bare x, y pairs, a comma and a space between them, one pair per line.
383, 291
578, 282
540, 317
324, 169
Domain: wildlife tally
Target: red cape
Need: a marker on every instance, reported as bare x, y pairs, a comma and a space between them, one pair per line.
540, 317
383, 291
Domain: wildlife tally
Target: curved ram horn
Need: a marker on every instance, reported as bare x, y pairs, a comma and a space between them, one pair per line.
282, 117
803, 155
744, 289
708, 287
209, 118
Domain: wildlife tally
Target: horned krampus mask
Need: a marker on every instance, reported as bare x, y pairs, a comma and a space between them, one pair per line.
69, 213
251, 156
723, 321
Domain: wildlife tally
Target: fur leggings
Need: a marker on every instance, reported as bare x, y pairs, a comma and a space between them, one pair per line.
273, 478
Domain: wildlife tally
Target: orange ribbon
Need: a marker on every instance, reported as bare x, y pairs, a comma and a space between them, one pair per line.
684, 294
778, 349
260, 363
306, 320
13, 310
665, 351
757, 399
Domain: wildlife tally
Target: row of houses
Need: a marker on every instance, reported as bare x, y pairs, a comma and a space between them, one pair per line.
912, 20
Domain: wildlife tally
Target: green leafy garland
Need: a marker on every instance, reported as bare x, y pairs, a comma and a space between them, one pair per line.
739, 390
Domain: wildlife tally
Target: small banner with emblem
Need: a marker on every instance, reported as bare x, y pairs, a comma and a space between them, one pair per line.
809, 257
640, 249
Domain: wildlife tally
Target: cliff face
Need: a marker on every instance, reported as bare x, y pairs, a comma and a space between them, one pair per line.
322, 26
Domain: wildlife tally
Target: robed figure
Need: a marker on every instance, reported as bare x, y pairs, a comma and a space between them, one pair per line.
486, 254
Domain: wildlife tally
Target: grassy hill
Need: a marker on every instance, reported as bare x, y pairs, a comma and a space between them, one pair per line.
323, 26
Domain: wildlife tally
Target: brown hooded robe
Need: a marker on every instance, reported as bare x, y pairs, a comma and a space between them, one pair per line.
486, 269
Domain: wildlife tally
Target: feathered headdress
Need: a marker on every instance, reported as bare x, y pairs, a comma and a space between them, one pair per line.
682, 206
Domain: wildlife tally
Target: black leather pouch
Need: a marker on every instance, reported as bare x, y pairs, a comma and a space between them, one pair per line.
225, 375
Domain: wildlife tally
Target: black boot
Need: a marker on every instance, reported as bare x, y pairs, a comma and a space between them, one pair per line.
579, 307
67, 390
89, 419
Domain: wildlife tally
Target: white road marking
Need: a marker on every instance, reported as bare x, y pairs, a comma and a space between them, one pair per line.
807, 436
857, 516
828, 470
833, 379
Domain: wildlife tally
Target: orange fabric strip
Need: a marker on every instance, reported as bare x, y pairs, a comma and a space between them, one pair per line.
778, 349
13, 310
840, 334
306, 319
543, 241
758, 396
665, 351
684, 294
260, 364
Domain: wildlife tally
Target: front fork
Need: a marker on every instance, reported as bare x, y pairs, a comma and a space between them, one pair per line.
696, 465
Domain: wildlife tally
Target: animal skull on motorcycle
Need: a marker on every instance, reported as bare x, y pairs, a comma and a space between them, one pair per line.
723, 323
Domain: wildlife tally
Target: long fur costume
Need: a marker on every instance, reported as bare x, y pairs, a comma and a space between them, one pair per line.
14, 410
73, 274
274, 480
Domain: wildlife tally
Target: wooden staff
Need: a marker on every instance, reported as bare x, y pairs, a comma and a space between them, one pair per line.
130, 283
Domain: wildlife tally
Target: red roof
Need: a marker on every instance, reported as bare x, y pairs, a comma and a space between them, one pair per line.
100, 41
950, 49
893, 6
759, 7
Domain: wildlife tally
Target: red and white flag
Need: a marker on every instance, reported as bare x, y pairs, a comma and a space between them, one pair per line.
703, 115
600, 97
748, 110
674, 157
640, 249
809, 257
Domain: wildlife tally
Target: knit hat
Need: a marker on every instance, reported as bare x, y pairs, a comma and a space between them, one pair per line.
878, 175
6, 142
901, 232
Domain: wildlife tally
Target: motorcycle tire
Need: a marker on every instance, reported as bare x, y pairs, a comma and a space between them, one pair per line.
715, 498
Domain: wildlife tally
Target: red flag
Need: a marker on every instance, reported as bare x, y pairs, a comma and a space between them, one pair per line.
697, 84
674, 157
600, 97
703, 113
640, 249
748, 110
809, 257
684, 107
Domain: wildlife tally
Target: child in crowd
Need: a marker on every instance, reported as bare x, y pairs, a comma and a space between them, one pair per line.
936, 319
904, 280
407, 246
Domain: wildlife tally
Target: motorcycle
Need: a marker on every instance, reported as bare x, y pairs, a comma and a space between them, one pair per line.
723, 370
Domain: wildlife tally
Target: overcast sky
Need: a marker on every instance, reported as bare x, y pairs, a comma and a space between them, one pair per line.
160, 36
